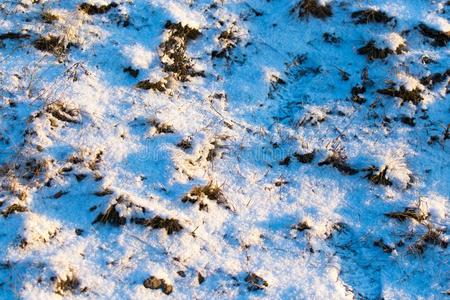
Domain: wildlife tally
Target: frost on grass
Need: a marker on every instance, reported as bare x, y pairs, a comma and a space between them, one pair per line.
232, 149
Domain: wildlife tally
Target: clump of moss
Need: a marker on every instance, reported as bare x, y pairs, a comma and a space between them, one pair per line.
307, 8
370, 16
372, 52
414, 96
171, 225
440, 38
173, 51
96, 10
51, 44
210, 191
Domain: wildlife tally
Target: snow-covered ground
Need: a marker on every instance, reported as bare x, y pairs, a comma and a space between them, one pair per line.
196, 149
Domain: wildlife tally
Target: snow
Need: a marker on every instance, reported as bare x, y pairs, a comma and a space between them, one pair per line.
280, 91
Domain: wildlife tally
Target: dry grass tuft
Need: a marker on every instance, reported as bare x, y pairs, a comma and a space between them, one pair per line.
370, 16
377, 176
173, 51
211, 192
155, 284
70, 284
64, 112
111, 216
255, 282
13, 209
372, 52
307, 8
414, 96
51, 44
440, 38
170, 225
160, 86
96, 10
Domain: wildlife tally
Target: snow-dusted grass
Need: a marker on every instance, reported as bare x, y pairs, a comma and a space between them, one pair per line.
224, 149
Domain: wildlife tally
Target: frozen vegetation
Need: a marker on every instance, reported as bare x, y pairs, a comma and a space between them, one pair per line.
224, 149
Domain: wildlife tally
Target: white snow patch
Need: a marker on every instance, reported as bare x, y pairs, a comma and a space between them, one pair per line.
139, 56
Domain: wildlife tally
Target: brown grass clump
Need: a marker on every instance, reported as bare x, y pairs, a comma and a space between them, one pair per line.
96, 10
372, 52
170, 225
414, 96
48, 17
228, 41
370, 16
67, 285
412, 213
377, 176
13, 209
307, 8
302, 226
430, 80
440, 38
160, 86
51, 44
133, 72
255, 282
14, 36
211, 192
305, 158
339, 162
357, 94
173, 51
155, 284
64, 112
161, 128
111, 216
